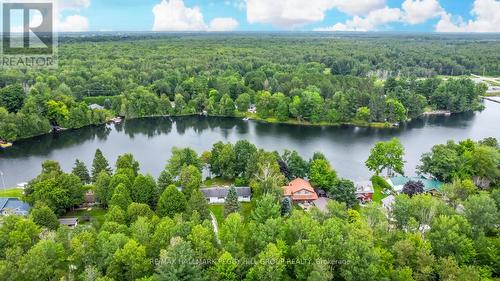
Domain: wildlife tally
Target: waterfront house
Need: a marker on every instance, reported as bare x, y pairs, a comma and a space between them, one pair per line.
300, 190
13, 206
430, 185
217, 195
364, 191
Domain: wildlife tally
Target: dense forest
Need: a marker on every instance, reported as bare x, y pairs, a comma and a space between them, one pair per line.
151, 230
303, 78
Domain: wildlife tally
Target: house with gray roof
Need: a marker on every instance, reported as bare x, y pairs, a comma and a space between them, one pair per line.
217, 195
13, 206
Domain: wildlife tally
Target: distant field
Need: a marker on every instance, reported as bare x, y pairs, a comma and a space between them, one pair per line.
11, 192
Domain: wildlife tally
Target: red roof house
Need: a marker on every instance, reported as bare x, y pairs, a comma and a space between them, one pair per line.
300, 190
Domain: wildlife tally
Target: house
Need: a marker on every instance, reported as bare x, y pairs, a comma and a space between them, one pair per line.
300, 190
430, 185
13, 206
69, 222
95, 106
364, 191
217, 195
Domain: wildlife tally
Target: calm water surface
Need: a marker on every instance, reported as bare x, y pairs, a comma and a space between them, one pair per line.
150, 140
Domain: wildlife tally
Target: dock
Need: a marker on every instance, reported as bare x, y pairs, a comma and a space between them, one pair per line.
492, 99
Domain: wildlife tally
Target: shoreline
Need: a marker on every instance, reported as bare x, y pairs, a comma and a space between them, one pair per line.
253, 117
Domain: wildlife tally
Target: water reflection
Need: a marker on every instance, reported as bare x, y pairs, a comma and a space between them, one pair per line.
151, 140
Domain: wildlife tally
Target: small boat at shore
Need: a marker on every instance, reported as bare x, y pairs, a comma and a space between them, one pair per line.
246, 119
4, 145
116, 120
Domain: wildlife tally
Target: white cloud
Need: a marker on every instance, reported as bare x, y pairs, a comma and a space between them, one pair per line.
74, 23
72, 4
173, 15
485, 12
370, 22
359, 7
223, 24
294, 13
419, 11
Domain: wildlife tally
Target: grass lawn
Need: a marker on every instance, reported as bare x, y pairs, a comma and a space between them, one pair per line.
218, 182
11, 192
95, 213
378, 195
218, 210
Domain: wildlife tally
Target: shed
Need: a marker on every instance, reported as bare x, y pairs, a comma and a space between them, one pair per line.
69, 222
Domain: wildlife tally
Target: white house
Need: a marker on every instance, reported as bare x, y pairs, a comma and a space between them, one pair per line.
217, 195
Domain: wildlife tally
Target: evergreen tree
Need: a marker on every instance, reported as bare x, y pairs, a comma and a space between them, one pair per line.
81, 171
103, 192
127, 161
171, 202
231, 205
286, 206
121, 197
99, 164
197, 202
143, 190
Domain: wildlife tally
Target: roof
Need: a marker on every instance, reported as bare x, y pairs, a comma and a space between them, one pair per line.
297, 185
321, 203
68, 221
15, 205
96, 106
364, 187
429, 184
223, 191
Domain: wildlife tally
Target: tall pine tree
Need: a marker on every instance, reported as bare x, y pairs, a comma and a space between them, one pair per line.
99, 164
231, 205
81, 171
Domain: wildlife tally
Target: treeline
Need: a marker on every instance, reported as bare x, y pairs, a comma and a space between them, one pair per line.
154, 231
46, 105
305, 78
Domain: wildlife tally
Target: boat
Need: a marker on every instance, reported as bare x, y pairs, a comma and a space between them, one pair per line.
4, 145
246, 119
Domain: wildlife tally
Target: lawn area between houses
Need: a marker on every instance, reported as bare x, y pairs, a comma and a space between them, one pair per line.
217, 182
95, 213
11, 192
218, 210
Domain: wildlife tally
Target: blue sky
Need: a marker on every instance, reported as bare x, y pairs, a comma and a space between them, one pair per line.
271, 15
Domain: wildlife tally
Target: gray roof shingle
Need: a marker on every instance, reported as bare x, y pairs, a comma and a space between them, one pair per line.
223, 191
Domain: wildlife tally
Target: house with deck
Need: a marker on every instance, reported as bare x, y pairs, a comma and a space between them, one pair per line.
217, 195
300, 190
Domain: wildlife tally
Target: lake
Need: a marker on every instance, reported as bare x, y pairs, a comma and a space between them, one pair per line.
150, 140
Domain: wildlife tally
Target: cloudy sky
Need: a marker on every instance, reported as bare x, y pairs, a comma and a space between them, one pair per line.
271, 15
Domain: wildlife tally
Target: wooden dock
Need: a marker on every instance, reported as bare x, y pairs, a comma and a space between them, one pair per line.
492, 99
